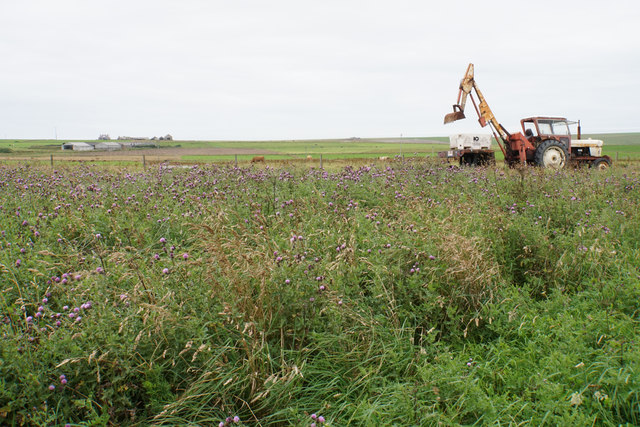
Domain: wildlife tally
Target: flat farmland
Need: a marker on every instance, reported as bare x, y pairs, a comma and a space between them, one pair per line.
623, 147
205, 151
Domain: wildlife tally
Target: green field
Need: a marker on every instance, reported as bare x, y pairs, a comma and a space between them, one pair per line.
624, 147
374, 294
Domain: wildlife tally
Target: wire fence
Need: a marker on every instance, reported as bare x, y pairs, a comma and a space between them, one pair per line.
237, 160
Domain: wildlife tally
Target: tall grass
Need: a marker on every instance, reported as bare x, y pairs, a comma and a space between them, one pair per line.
403, 293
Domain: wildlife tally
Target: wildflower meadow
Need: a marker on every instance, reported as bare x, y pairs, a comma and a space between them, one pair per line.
386, 293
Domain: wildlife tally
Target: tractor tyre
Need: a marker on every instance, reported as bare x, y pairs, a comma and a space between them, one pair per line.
601, 164
551, 154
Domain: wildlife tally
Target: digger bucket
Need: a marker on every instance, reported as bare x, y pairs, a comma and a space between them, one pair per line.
456, 115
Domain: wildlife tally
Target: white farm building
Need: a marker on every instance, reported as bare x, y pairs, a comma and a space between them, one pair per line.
87, 146
108, 146
77, 146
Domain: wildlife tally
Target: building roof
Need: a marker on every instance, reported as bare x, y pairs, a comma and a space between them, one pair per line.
78, 144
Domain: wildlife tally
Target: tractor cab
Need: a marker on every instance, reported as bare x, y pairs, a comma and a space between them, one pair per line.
537, 129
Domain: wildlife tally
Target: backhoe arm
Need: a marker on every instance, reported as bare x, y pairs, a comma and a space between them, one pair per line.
482, 109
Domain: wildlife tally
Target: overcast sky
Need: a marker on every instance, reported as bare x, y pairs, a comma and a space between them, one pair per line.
285, 69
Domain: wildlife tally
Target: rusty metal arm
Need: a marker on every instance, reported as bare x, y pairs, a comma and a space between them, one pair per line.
485, 114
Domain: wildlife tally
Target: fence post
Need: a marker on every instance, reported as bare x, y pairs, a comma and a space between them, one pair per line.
320, 161
52, 160
144, 161
236, 161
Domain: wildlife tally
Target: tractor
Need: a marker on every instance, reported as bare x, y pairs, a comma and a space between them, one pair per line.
544, 141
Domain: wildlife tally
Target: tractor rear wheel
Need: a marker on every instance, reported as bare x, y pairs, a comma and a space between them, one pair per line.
551, 154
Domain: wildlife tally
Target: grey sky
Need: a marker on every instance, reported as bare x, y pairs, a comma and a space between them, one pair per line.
283, 69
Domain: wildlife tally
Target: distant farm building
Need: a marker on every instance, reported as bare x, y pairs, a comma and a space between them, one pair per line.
138, 144
77, 146
108, 146
88, 146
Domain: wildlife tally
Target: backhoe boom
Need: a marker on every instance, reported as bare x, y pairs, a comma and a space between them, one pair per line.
482, 109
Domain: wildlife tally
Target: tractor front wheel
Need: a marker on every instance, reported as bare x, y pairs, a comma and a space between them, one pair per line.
551, 154
601, 164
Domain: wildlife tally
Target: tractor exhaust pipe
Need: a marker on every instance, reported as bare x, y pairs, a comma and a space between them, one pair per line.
457, 114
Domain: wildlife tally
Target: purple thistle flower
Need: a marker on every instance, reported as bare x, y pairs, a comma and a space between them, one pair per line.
52, 387
165, 271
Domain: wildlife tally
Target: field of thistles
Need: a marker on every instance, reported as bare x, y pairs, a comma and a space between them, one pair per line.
398, 293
